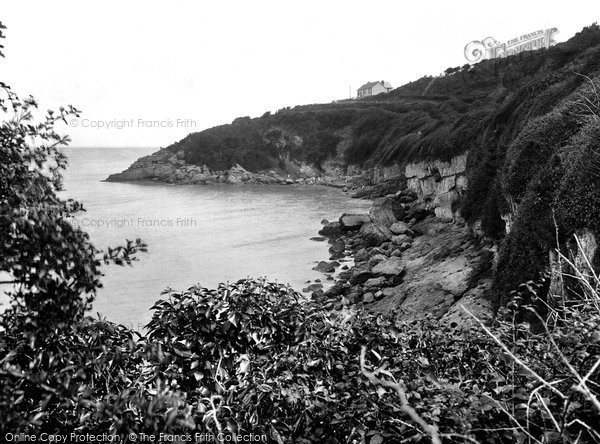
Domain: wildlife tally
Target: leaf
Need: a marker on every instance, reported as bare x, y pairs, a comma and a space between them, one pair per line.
423, 361
233, 318
264, 388
376, 439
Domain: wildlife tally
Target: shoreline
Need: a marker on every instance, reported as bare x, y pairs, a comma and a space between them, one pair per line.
318, 183
355, 187
402, 259
166, 166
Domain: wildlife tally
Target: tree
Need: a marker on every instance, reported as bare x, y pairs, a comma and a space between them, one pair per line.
53, 268
53, 264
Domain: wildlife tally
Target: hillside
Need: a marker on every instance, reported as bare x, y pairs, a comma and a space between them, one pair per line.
504, 143
429, 118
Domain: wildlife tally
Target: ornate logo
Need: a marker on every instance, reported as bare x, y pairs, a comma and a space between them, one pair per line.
490, 48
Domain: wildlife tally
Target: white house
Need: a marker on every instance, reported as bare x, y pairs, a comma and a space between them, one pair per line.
373, 88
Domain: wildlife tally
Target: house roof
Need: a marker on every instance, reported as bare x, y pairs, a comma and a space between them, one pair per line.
368, 85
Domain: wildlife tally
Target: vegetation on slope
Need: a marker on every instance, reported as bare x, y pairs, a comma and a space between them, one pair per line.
539, 163
429, 118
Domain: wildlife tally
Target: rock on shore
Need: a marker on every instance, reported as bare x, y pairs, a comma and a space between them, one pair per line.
408, 262
169, 167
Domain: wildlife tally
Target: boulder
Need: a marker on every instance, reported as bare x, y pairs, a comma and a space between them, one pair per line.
382, 211
324, 267
400, 239
375, 282
318, 295
393, 266
399, 210
374, 235
180, 175
377, 250
343, 276
393, 291
361, 255
350, 222
335, 290
234, 180
400, 228
312, 287
163, 171
331, 229
238, 174
368, 298
199, 178
337, 247
405, 246
376, 259
132, 174
360, 276
352, 296
418, 212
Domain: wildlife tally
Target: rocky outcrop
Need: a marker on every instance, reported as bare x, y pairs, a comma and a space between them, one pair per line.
393, 266
385, 173
353, 221
414, 267
331, 229
170, 167
442, 266
325, 267
386, 211
438, 183
400, 228
373, 234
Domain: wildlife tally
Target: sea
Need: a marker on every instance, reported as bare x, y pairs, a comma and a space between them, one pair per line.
196, 235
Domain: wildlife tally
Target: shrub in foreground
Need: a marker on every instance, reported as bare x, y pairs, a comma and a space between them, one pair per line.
252, 357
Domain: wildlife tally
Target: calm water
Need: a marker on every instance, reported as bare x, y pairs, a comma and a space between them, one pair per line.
196, 234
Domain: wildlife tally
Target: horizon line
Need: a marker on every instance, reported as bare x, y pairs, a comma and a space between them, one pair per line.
111, 146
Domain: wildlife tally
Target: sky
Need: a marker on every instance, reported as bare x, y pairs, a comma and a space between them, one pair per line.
147, 73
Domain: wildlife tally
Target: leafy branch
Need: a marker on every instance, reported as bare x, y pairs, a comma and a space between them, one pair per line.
372, 376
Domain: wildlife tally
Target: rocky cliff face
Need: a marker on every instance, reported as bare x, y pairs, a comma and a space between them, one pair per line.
406, 261
439, 183
168, 167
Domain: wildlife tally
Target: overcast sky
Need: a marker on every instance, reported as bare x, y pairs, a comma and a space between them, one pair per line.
205, 63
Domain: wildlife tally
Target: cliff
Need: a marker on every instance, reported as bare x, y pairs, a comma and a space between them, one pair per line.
362, 142
508, 146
